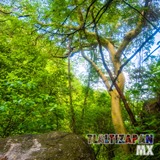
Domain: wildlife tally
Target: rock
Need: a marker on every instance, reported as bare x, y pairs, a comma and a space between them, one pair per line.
48, 146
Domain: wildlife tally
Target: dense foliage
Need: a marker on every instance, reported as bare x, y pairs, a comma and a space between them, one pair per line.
39, 89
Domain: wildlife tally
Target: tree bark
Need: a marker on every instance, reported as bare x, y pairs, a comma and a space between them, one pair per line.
116, 113
117, 117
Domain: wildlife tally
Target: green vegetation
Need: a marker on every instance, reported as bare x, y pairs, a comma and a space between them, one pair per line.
43, 43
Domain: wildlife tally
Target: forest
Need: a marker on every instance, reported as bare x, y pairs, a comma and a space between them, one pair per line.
81, 66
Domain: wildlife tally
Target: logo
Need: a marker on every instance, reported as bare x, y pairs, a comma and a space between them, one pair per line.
144, 150
143, 139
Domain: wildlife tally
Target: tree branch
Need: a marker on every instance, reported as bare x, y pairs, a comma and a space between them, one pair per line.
104, 8
106, 43
138, 50
4, 12
119, 90
88, 9
100, 73
151, 53
99, 14
80, 15
128, 38
143, 15
133, 33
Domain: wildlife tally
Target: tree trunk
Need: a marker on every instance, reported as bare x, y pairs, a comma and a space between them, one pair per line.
117, 117
115, 98
116, 113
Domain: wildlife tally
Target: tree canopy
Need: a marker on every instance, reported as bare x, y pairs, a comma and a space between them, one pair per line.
41, 44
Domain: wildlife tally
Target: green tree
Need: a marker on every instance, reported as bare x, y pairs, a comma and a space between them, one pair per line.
110, 30
32, 84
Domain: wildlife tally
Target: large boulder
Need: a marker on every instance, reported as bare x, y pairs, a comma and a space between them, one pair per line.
48, 146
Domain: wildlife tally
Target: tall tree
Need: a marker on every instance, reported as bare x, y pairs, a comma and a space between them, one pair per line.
111, 30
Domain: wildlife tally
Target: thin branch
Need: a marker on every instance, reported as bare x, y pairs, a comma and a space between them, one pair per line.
88, 9
132, 34
151, 53
69, 53
23, 16
103, 77
103, 9
73, 50
80, 15
86, 94
4, 12
55, 33
103, 60
60, 56
141, 14
69, 15
70, 97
